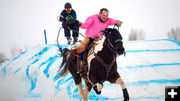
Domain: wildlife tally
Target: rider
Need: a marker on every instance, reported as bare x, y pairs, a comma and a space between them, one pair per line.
94, 25
67, 13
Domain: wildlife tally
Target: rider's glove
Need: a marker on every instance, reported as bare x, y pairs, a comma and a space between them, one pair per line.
118, 24
79, 23
72, 22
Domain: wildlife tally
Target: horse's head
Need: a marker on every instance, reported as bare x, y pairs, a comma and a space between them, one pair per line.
114, 40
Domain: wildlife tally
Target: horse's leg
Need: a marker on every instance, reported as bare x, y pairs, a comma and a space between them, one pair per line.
115, 78
88, 88
121, 82
77, 79
78, 83
98, 85
97, 88
125, 92
81, 92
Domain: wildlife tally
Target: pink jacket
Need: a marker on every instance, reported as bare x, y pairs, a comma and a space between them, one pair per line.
94, 26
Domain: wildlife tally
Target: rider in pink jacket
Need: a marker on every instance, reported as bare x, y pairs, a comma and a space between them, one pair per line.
94, 26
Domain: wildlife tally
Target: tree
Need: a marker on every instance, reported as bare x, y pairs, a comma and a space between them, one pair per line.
136, 34
174, 33
14, 52
2, 58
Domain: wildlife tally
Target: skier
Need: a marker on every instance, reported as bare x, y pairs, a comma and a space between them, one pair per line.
67, 14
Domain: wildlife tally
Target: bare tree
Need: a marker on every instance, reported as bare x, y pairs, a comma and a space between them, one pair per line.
174, 33
14, 52
136, 34
2, 58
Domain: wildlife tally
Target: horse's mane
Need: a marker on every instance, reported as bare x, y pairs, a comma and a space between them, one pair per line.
101, 40
105, 34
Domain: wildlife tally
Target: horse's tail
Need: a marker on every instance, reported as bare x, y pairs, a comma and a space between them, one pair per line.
63, 70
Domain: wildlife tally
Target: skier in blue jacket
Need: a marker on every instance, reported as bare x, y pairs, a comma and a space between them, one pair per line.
66, 14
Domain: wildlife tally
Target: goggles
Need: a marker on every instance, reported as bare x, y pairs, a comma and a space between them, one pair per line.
68, 9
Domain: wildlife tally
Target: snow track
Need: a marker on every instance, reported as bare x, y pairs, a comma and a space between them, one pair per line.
147, 68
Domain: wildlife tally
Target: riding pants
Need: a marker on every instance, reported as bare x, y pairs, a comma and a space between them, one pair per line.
83, 46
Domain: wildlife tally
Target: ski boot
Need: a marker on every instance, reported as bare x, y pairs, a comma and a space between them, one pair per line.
75, 40
69, 40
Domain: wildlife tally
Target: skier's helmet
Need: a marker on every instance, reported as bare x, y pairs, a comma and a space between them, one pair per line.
67, 5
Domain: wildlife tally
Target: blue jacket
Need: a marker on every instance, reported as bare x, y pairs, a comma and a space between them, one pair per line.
64, 14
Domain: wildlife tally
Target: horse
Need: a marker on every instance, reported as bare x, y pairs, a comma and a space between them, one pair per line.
101, 64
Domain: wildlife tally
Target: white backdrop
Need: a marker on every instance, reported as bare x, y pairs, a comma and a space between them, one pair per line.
22, 21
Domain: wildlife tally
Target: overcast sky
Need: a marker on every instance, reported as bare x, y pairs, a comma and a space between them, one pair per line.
22, 22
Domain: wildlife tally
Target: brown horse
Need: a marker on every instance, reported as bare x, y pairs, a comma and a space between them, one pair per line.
101, 64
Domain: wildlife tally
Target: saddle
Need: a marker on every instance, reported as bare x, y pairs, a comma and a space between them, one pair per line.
84, 62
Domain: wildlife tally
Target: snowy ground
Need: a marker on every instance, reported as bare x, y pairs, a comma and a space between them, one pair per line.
147, 68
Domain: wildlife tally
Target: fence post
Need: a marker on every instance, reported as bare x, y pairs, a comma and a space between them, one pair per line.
45, 36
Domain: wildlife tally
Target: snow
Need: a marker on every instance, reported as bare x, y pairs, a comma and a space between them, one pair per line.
147, 68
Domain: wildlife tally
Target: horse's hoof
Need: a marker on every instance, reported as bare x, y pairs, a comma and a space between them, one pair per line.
126, 99
125, 95
95, 89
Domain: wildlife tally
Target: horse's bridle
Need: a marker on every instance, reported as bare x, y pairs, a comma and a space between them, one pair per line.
110, 46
